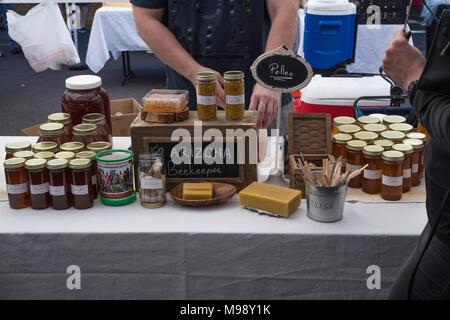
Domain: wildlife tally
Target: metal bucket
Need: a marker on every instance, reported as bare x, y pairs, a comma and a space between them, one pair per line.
325, 204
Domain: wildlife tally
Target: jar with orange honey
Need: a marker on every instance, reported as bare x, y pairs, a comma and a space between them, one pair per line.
376, 128
422, 137
341, 121
372, 175
366, 136
401, 127
340, 147
66, 120
350, 129
388, 120
355, 161
17, 185
407, 151
53, 132
416, 160
394, 136
13, 147
392, 181
386, 144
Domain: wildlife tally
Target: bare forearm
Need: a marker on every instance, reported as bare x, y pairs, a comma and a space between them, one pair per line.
284, 24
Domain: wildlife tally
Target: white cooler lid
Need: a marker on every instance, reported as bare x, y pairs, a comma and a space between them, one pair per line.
330, 7
344, 91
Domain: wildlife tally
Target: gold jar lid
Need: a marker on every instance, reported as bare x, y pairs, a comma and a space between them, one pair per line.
69, 155
393, 135
45, 146
17, 146
393, 156
99, 146
415, 143
416, 135
341, 121
72, 146
35, 163
356, 145
233, 75
365, 120
27, 154
366, 136
388, 120
47, 155
402, 147
386, 144
349, 129
79, 163
402, 127
84, 129
375, 127
373, 150
342, 138
60, 117
94, 118
57, 164
86, 155
205, 76
14, 163
51, 129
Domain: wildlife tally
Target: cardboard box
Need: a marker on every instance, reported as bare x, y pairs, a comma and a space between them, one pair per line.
123, 113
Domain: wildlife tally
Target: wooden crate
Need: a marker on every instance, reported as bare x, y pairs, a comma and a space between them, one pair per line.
297, 181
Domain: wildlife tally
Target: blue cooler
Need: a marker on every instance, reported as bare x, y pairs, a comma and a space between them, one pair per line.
330, 35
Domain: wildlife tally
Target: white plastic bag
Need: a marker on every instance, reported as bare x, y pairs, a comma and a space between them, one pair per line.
43, 36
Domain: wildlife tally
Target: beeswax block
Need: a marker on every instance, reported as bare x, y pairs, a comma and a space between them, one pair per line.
270, 198
197, 186
197, 191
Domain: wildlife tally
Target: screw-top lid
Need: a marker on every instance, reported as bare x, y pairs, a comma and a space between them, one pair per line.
57, 164
373, 150
393, 135
417, 135
72, 146
60, 117
366, 136
51, 129
35, 163
47, 155
205, 76
377, 128
349, 129
340, 121
83, 82
17, 146
86, 155
45, 146
79, 163
69, 155
356, 145
99, 146
94, 118
402, 127
393, 156
84, 129
405, 148
233, 75
415, 143
364, 120
27, 154
386, 144
388, 120
342, 138
14, 163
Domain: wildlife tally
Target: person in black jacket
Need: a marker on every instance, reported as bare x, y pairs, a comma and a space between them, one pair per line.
405, 64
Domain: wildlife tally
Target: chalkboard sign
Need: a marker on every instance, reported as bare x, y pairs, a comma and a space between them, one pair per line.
282, 70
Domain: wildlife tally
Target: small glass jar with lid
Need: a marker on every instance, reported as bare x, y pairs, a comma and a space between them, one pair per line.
46, 155
422, 137
81, 183
59, 185
206, 95
401, 127
386, 144
394, 136
99, 120
392, 181
376, 128
355, 160
17, 183
416, 160
85, 133
27, 155
350, 129
99, 146
152, 180
66, 120
388, 120
365, 120
340, 147
68, 155
13, 147
52, 132
407, 151
234, 95
341, 121
91, 156
372, 175
366, 136
45, 146
74, 147
38, 179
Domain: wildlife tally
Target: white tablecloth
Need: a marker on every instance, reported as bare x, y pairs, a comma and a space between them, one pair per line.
222, 252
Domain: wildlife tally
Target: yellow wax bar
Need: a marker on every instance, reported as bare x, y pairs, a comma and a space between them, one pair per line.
270, 198
197, 186
197, 194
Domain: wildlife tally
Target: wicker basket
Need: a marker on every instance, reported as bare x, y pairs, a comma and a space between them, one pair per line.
297, 181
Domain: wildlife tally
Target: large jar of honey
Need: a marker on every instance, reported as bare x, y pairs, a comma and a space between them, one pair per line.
355, 161
392, 181
371, 178
341, 121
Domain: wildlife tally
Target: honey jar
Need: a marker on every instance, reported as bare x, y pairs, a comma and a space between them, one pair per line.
17, 183
74, 147
38, 179
372, 175
366, 136
99, 120
91, 156
422, 137
206, 95
407, 151
46, 155
234, 95
355, 160
365, 120
53, 132
401, 127
99, 146
27, 155
341, 121
68, 155
59, 185
45, 146
85, 133
386, 144
350, 129
376, 128
340, 147
392, 181
81, 183
388, 120
13, 147
416, 160
394, 136
66, 120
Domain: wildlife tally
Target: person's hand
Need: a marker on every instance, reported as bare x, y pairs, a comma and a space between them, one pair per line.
266, 102
403, 62
219, 84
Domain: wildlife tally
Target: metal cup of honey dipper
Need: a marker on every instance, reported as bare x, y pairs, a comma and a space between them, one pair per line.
152, 180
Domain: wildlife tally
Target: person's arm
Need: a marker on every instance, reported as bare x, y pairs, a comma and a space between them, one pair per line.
283, 17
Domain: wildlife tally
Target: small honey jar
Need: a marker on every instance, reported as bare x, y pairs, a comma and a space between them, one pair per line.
416, 160
394, 136
340, 147
355, 160
350, 129
386, 144
401, 127
388, 120
365, 120
366, 136
376, 128
407, 151
392, 181
372, 175
341, 121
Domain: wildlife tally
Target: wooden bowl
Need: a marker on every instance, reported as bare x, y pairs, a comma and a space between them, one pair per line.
222, 192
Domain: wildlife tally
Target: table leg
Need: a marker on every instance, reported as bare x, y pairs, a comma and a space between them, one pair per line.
126, 68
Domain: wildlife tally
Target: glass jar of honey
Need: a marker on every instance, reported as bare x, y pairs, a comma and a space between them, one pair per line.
366, 136
206, 96
99, 146
392, 181
341, 121
74, 147
91, 156
17, 183
416, 160
386, 144
350, 129
99, 120
68, 155
355, 161
27, 155
376, 128
388, 120
38, 179
340, 147
422, 137
46, 155
81, 183
421, 129
365, 120
394, 136
13, 147
401, 127
372, 175
59, 185
66, 120
85, 133
407, 151
45, 146
234, 95
52, 132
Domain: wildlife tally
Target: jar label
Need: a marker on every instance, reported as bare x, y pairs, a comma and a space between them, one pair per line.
17, 188
373, 174
151, 183
392, 181
353, 167
415, 168
407, 173
57, 190
39, 188
80, 190
235, 99
206, 100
